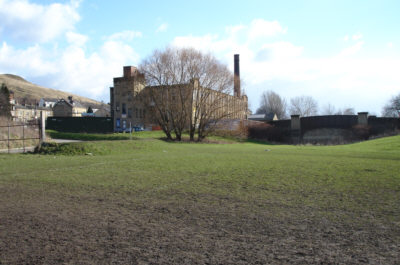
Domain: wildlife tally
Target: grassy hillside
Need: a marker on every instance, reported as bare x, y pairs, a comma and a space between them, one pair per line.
24, 89
150, 201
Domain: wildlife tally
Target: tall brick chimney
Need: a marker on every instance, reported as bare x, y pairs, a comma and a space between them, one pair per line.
236, 77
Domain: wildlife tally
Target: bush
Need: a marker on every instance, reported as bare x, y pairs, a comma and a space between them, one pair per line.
71, 149
361, 132
265, 131
240, 132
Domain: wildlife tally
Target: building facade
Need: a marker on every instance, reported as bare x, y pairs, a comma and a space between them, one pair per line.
131, 107
68, 108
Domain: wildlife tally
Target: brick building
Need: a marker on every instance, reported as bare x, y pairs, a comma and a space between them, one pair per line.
130, 106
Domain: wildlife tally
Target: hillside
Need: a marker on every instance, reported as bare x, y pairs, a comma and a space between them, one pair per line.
24, 90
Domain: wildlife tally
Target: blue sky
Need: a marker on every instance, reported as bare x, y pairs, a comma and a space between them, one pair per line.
343, 53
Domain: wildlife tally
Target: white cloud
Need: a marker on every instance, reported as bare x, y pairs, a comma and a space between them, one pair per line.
346, 38
357, 36
278, 51
126, 35
70, 69
361, 81
352, 49
76, 39
263, 28
162, 28
232, 30
28, 61
31, 22
390, 44
203, 43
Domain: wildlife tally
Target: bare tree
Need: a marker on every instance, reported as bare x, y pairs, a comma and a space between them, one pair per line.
329, 109
271, 102
348, 111
303, 106
392, 108
188, 89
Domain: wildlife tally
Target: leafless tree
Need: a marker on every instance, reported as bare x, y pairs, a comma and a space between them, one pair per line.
303, 106
348, 111
271, 102
329, 109
187, 89
392, 108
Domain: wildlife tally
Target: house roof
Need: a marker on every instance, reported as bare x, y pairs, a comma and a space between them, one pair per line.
75, 104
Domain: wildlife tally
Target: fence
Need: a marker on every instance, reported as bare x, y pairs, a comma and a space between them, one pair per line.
17, 137
80, 124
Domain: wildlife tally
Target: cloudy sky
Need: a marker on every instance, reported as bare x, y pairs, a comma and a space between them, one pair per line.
343, 53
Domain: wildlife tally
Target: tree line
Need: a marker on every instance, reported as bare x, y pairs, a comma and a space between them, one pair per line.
304, 106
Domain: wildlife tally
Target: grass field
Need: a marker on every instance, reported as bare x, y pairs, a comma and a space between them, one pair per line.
147, 201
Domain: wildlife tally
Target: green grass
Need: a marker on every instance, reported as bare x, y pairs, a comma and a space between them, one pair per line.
356, 177
104, 137
181, 202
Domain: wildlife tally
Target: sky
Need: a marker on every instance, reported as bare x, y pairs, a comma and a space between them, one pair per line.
342, 53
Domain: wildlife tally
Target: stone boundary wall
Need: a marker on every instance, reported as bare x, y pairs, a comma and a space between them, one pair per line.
336, 128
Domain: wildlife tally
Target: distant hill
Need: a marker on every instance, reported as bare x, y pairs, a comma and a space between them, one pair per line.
25, 91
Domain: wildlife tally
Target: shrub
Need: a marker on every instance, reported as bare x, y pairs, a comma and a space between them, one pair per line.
361, 132
265, 131
69, 149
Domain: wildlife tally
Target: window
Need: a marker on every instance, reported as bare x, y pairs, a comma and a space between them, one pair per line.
117, 106
136, 113
130, 113
123, 108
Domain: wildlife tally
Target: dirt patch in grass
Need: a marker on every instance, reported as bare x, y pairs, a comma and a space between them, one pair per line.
41, 226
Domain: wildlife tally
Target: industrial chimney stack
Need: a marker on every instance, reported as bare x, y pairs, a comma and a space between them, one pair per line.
236, 78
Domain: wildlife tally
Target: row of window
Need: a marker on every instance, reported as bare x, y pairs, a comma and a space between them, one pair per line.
139, 113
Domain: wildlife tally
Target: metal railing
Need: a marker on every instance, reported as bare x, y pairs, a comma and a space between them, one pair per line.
15, 134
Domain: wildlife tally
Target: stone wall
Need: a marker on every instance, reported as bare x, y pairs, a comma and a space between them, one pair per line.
335, 128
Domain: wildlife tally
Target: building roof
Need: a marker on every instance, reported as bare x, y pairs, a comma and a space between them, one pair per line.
75, 104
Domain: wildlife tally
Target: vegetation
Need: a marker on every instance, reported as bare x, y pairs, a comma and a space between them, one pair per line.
102, 136
187, 90
392, 108
245, 168
130, 200
5, 106
271, 102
